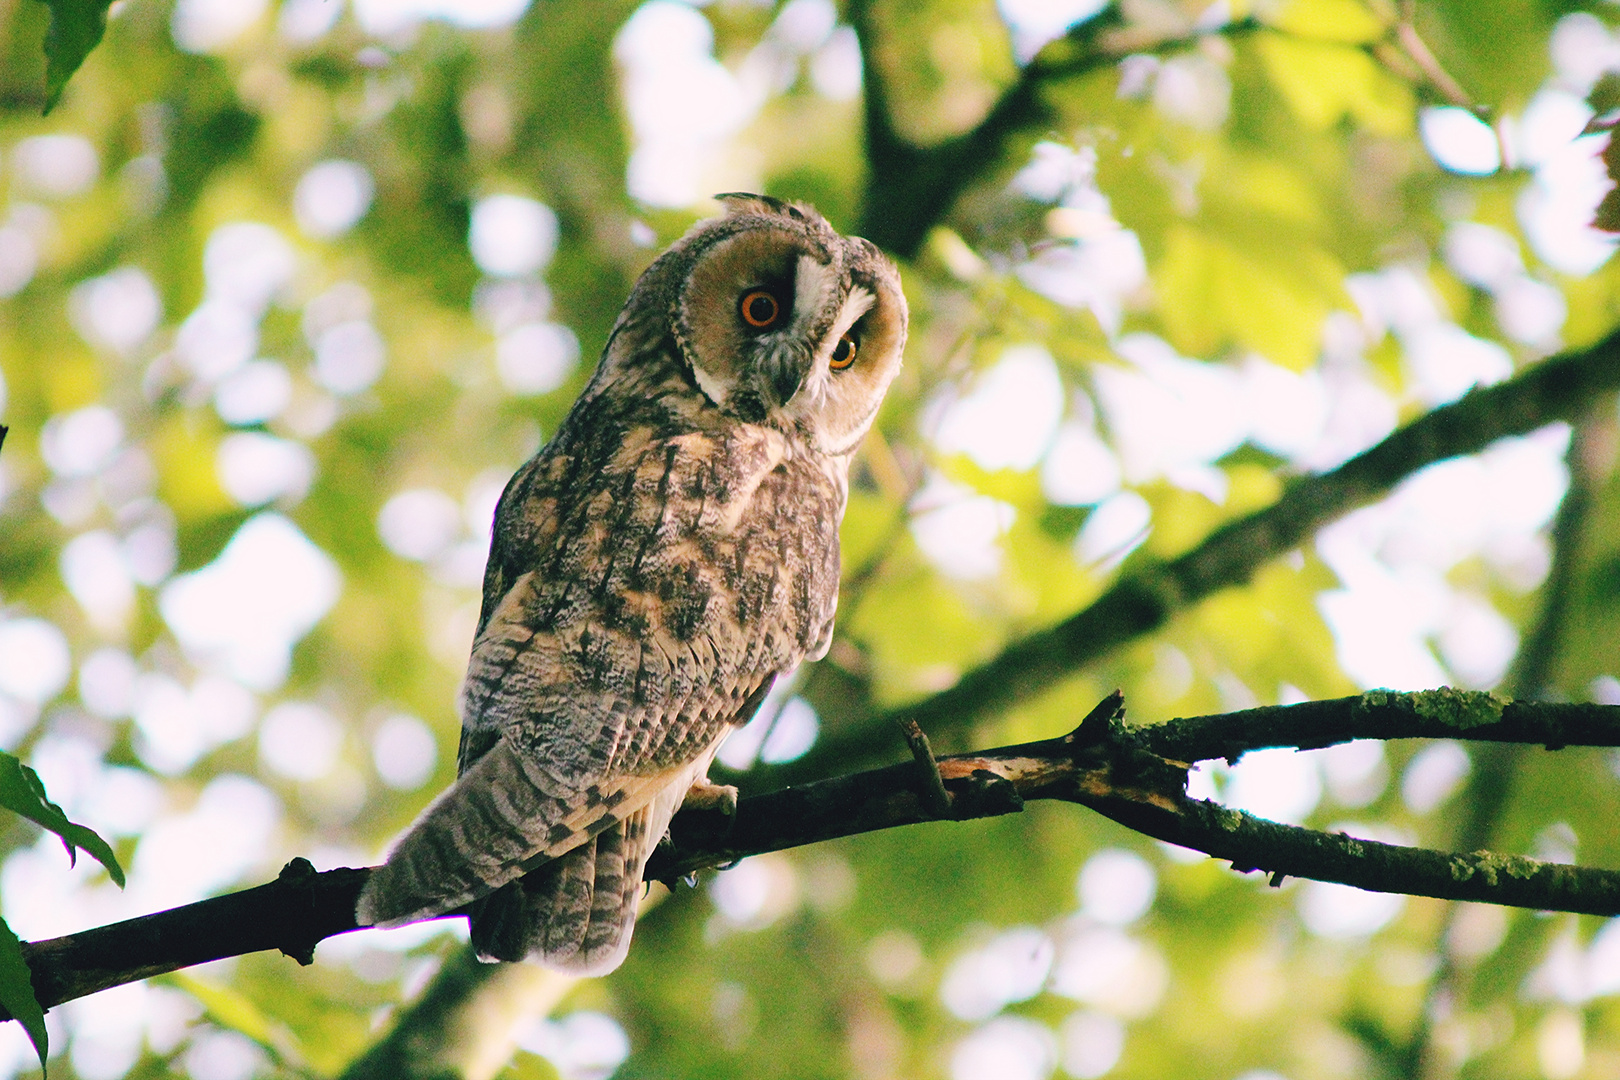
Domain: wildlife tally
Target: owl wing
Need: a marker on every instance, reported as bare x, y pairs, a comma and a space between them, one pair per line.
553, 764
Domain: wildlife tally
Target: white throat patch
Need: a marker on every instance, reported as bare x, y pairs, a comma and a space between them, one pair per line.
716, 389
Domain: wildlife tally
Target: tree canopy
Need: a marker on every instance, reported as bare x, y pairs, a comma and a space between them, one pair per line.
1262, 366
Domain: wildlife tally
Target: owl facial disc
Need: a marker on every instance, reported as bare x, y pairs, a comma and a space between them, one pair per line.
780, 320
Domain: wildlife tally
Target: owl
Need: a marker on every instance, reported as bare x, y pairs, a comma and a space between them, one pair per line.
653, 569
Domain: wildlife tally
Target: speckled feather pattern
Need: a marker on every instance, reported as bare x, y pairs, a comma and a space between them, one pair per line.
657, 571
653, 569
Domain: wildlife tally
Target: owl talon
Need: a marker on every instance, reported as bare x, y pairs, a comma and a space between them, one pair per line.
703, 795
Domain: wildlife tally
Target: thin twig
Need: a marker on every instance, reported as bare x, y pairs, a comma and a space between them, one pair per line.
931, 785
1417, 50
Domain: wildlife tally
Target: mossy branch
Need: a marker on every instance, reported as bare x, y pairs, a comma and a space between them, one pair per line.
1123, 773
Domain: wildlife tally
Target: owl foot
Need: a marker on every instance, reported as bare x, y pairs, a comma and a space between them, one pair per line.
703, 795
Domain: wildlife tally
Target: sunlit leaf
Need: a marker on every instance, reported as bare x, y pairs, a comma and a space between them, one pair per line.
22, 791
1217, 293
1328, 20
1324, 81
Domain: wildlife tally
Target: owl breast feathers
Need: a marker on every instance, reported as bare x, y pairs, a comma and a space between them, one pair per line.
653, 570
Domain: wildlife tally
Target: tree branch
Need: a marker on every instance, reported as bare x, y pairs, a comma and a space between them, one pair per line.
1384, 714
1406, 55
1117, 771
909, 188
293, 914
1142, 601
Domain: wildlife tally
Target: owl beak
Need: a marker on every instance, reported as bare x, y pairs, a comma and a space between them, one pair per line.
785, 375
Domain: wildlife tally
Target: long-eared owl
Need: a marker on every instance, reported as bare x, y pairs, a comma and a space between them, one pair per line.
653, 569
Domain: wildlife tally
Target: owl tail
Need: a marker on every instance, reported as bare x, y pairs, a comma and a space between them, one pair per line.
555, 870
576, 913
505, 815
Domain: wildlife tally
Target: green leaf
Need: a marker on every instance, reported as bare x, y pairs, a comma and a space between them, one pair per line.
230, 1008
1607, 217
1605, 94
22, 791
76, 28
1323, 81
1328, 20
17, 991
1223, 289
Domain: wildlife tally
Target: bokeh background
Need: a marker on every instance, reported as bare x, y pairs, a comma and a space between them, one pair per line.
287, 291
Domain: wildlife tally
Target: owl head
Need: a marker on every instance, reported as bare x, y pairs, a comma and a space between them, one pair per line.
782, 321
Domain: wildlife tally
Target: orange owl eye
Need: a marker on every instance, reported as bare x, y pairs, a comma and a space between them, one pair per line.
759, 309
843, 354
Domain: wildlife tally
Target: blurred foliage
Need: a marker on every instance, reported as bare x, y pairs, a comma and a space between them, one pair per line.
1207, 214
76, 27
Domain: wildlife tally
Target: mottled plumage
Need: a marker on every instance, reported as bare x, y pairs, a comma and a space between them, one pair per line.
654, 568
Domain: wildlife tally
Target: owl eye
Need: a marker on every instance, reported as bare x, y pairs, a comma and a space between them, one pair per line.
843, 354
759, 309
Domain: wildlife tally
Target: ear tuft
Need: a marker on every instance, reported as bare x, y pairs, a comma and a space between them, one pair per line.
738, 203
745, 202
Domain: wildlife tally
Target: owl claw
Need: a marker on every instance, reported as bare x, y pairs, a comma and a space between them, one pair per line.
703, 795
